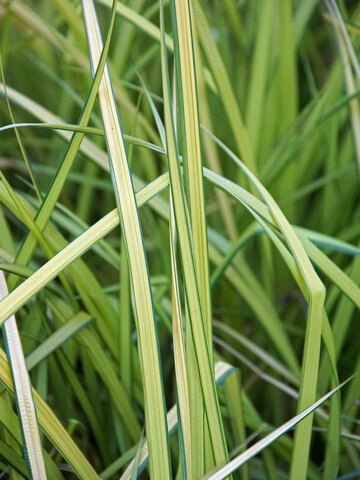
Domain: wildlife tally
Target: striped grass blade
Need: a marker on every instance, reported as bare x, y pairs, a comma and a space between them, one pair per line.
155, 412
23, 395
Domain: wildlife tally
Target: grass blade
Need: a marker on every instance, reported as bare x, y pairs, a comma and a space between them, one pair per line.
141, 291
259, 446
27, 414
222, 371
52, 428
316, 292
196, 320
189, 134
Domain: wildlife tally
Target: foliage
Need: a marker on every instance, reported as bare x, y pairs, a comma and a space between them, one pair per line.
180, 235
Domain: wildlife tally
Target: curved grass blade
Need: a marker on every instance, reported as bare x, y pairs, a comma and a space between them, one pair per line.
334, 425
337, 276
84, 129
316, 292
87, 147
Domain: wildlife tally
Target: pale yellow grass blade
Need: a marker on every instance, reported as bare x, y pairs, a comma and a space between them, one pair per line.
24, 400
155, 412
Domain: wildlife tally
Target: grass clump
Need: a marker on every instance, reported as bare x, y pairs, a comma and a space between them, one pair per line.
180, 237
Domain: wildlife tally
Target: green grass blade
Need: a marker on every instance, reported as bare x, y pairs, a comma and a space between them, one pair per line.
14, 459
10, 422
61, 336
259, 74
179, 350
191, 154
226, 93
259, 446
48, 204
263, 86
83, 129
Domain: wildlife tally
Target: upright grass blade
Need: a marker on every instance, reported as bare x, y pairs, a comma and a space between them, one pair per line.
286, 80
225, 90
189, 134
259, 74
141, 291
284, 92
196, 319
210, 153
222, 371
182, 378
234, 115
27, 414
348, 58
234, 399
189, 128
